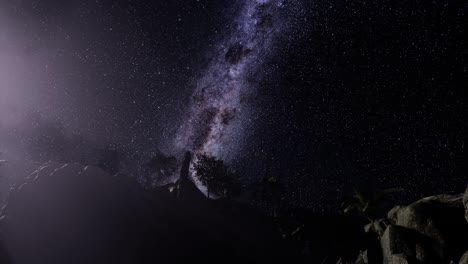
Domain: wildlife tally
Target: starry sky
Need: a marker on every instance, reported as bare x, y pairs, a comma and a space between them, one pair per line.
325, 94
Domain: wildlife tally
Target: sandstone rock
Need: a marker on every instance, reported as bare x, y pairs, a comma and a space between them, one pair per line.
431, 228
377, 227
464, 258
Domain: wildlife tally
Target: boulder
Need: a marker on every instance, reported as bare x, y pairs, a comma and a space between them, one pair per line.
431, 230
464, 258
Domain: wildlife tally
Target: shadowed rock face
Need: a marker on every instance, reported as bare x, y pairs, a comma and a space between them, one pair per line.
235, 53
431, 230
70, 213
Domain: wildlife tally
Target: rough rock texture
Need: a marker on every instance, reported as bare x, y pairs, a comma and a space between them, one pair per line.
464, 258
400, 243
70, 213
431, 230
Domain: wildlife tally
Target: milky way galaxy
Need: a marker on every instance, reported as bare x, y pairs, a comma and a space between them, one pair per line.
323, 94
218, 109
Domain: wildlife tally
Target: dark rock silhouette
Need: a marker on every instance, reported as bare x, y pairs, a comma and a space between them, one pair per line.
184, 188
70, 213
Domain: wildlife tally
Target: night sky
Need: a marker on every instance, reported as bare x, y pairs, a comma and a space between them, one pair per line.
325, 94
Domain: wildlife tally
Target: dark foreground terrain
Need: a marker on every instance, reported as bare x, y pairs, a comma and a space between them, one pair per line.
71, 213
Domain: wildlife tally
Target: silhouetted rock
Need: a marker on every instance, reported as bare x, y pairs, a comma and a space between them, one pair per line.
70, 213
402, 244
187, 191
323, 238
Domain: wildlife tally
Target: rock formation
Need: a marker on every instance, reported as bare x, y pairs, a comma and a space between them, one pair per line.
71, 213
431, 230
187, 191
